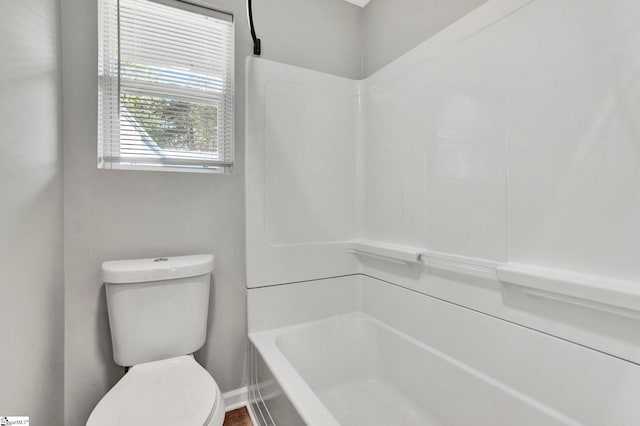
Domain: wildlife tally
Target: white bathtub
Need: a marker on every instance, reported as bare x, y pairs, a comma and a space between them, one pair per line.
398, 358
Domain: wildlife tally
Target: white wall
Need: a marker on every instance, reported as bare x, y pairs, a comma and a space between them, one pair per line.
520, 139
504, 146
124, 214
322, 35
31, 287
510, 138
301, 184
391, 28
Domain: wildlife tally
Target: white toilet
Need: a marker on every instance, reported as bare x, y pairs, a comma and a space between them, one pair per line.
158, 316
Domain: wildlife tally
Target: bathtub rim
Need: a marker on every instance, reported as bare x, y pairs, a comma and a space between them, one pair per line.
302, 397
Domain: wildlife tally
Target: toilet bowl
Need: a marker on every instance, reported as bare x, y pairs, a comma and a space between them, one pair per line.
158, 311
176, 391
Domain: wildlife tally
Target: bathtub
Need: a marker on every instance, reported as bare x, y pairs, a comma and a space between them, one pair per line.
363, 352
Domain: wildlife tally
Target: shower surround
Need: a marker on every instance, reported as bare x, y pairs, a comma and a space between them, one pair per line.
491, 173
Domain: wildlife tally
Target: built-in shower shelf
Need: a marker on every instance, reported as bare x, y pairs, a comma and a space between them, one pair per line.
597, 292
387, 251
473, 266
436, 260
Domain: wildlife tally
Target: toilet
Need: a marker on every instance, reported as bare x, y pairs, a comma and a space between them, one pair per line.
158, 312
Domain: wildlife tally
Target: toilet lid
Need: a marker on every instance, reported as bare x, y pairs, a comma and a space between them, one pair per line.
176, 391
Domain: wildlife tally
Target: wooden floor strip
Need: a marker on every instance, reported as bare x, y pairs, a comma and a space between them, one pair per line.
239, 417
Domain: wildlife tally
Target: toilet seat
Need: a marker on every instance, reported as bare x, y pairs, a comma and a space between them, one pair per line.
175, 391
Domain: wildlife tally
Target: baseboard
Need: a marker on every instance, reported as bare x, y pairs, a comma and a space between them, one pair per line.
235, 399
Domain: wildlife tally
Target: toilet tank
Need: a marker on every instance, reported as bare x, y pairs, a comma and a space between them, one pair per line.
158, 308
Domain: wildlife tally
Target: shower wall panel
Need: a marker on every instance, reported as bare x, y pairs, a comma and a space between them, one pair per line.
505, 147
301, 179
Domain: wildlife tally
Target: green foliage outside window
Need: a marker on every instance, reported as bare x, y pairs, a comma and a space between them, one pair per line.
174, 124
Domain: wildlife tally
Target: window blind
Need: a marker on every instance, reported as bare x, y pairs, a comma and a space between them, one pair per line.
165, 75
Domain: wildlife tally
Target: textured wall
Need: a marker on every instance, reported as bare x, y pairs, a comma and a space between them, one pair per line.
31, 287
129, 214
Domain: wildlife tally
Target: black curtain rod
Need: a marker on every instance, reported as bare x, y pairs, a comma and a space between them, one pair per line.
256, 41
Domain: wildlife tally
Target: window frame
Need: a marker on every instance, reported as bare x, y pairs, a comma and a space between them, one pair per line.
110, 124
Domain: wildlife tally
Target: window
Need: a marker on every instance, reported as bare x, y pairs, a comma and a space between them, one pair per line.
165, 86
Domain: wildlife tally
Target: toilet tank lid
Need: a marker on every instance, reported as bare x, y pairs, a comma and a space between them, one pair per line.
156, 269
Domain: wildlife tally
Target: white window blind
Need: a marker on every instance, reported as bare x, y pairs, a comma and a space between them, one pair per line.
165, 86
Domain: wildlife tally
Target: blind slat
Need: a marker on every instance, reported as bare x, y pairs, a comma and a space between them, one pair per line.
165, 86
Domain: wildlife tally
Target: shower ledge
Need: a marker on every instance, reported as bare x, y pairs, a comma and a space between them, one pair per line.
607, 294
398, 253
620, 297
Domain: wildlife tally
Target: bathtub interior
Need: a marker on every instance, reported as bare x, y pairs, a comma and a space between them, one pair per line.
365, 373
429, 363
